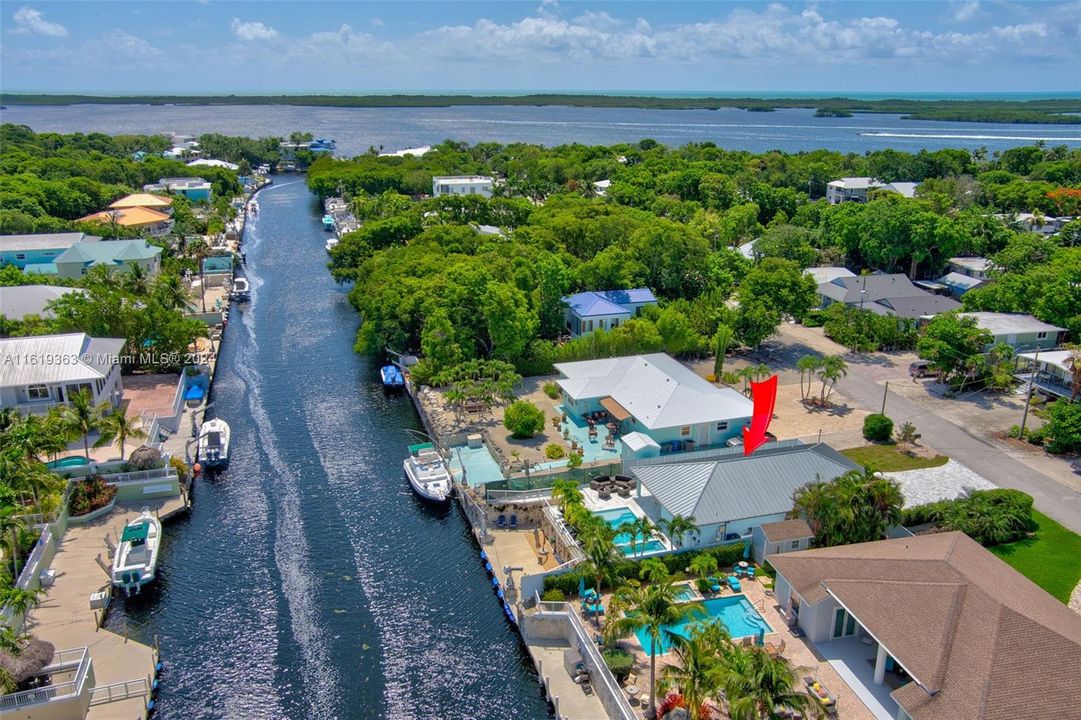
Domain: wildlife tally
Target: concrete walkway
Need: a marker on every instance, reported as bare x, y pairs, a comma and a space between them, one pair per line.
65, 618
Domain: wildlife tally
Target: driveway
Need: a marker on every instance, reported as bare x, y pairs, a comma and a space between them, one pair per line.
864, 386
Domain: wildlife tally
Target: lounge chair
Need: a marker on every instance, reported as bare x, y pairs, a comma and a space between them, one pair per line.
513, 522
501, 521
775, 649
714, 584
750, 573
733, 582
740, 572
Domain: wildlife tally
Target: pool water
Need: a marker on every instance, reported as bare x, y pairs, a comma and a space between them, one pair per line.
617, 517
641, 548
684, 593
734, 611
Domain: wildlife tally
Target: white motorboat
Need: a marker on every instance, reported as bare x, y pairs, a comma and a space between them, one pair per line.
214, 444
241, 291
135, 561
331, 244
427, 473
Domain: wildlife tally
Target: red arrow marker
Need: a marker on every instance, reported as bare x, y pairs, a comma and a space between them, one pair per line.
765, 396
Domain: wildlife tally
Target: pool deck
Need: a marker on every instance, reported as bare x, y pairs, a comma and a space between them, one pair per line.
573, 703
64, 616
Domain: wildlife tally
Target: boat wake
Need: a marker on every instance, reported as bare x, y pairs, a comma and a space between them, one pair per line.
953, 136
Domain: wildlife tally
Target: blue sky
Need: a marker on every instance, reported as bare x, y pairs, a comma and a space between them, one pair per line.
358, 47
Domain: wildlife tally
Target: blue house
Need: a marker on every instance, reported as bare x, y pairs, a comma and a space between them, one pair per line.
605, 309
39, 250
195, 189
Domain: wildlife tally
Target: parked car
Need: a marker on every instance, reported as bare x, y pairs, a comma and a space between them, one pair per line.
920, 368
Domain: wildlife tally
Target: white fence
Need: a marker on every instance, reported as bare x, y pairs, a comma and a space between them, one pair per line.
63, 660
120, 691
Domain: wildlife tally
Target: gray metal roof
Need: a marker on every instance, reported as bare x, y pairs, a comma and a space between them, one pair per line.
44, 241
18, 301
56, 358
734, 486
1011, 323
893, 293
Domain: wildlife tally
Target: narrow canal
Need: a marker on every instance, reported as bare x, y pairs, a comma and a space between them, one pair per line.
308, 582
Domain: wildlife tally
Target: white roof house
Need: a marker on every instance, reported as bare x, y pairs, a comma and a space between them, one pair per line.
207, 162
1012, 323
462, 185
657, 390
856, 189
18, 301
828, 274
40, 371
415, 152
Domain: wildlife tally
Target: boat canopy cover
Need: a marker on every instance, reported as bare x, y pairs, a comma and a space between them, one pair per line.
414, 449
135, 533
194, 393
213, 439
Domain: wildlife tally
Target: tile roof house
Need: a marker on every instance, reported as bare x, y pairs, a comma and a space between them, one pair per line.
38, 248
589, 311
892, 294
46, 370
113, 254
935, 627
728, 493
657, 396
150, 221
18, 301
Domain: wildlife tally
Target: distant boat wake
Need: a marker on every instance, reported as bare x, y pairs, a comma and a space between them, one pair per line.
1053, 138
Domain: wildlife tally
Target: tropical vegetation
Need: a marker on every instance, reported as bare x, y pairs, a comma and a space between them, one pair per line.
859, 506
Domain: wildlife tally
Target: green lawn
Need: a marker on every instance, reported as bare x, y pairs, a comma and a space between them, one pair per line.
1051, 559
888, 458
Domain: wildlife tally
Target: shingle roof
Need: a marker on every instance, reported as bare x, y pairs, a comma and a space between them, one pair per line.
794, 529
982, 641
18, 301
737, 486
657, 389
44, 241
1011, 323
894, 293
913, 307
56, 358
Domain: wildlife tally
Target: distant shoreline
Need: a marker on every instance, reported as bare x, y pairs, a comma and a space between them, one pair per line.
1046, 111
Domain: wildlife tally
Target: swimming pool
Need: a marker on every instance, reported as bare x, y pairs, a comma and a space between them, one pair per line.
734, 611
684, 593
618, 516
641, 548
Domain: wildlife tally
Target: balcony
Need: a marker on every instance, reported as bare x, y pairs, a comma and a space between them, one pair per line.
1046, 382
67, 692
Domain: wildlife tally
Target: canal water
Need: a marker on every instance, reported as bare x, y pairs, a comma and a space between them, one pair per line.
308, 581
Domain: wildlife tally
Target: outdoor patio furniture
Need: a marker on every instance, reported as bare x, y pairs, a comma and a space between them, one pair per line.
604, 494
623, 491
733, 582
821, 695
714, 585
750, 573
775, 649
598, 483
513, 522
501, 521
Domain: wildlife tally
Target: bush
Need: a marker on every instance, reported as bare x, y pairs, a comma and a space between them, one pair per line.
523, 419
181, 468
877, 428
989, 517
702, 585
553, 595
552, 390
90, 495
813, 319
553, 451
1063, 428
619, 662
1014, 431
574, 460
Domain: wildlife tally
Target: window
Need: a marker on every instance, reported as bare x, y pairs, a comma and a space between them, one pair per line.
795, 544
38, 392
1041, 336
20, 256
844, 625
685, 430
722, 426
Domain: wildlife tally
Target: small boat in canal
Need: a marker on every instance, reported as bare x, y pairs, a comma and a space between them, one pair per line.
332, 243
392, 377
328, 223
214, 444
241, 291
135, 561
427, 473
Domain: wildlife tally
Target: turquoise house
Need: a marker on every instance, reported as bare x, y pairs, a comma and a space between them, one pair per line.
39, 251
587, 312
77, 260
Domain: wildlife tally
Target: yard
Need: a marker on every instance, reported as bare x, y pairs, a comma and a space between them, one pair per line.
1051, 559
888, 457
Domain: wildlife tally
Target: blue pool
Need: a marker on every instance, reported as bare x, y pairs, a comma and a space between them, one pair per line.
617, 517
735, 612
684, 593
641, 548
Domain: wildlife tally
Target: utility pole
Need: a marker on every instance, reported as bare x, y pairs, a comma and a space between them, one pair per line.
884, 392
1031, 387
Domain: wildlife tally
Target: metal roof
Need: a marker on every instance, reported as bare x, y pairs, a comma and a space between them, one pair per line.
739, 486
1011, 323
591, 304
56, 358
18, 301
828, 273
44, 241
964, 282
657, 389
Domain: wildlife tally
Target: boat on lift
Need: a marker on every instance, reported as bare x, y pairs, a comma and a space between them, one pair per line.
241, 291
328, 223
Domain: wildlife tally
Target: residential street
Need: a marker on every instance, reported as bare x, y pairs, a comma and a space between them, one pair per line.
862, 387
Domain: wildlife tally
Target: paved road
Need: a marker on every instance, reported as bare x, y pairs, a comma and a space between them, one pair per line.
1051, 497
862, 387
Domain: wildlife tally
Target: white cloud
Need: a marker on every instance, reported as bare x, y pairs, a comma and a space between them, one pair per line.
376, 22
29, 20
252, 31
964, 11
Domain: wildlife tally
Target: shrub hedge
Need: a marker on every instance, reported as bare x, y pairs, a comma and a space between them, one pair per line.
989, 517
676, 563
619, 662
877, 428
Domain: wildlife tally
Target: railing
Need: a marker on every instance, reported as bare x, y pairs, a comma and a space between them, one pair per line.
563, 534
119, 691
62, 660
37, 408
517, 495
598, 668
140, 476
33, 563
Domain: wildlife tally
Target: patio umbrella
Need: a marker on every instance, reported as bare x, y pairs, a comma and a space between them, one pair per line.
761, 640
581, 586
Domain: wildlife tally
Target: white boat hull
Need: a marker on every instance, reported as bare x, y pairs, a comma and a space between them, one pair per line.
214, 437
135, 562
437, 491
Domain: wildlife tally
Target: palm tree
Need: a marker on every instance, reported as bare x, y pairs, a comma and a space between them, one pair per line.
807, 366
566, 492
598, 543
677, 526
833, 368
12, 522
83, 417
858, 506
25, 437
704, 565
118, 427
170, 293
11, 641
134, 280
654, 608
21, 601
57, 433
697, 676
756, 683
653, 569
641, 531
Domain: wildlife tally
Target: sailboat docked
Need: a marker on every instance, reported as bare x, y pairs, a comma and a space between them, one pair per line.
427, 473
214, 444
135, 561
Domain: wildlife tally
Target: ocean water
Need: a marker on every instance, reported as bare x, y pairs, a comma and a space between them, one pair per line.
357, 129
308, 581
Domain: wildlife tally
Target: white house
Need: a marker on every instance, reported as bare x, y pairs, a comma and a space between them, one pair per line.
934, 627
729, 494
657, 396
19, 301
780, 537
38, 372
857, 189
462, 185
590, 311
